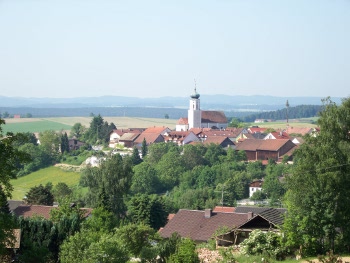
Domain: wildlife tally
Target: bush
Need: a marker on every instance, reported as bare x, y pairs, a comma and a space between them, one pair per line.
263, 243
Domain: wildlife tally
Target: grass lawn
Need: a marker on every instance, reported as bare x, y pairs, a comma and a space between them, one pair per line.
37, 125
51, 174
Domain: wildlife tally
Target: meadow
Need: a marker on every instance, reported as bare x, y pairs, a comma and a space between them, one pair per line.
51, 174
65, 123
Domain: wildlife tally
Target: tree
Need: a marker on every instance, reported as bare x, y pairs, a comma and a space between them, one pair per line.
50, 143
40, 195
64, 143
135, 157
145, 179
114, 175
144, 148
319, 187
28, 115
148, 209
185, 252
10, 158
61, 191
77, 130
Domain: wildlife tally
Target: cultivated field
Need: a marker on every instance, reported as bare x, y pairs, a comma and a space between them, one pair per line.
51, 174
65, 123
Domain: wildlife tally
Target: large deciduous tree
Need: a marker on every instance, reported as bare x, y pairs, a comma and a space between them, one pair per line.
114, 178
318, 194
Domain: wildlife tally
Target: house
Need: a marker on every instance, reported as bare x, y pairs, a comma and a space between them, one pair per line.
223, 141
299, 130
128, 139
277, 135
116, 134
75, 144
180, 137
224, 209
197, 118
149, 138
41, 210
265, 149
255, 129
255, 186
157, 129
201, 225
234, 134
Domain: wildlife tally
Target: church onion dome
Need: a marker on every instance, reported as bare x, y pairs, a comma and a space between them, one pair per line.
195, 95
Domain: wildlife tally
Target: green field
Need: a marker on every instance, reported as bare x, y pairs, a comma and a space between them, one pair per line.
34, 126
52, 174
65, 123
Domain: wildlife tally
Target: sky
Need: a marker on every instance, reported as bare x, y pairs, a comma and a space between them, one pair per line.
137, 48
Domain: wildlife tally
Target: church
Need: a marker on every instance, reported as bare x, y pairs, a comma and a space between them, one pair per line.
198, 118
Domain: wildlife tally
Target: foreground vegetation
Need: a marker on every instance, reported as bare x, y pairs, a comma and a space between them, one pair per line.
131, 196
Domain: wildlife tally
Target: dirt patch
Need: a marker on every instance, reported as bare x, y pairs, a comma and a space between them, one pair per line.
69, 167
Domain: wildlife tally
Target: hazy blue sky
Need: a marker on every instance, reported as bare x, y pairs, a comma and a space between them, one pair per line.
70, 48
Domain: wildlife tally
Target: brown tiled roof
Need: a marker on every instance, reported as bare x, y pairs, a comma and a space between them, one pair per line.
31, 210
213, 117
256, 183
129, 136
223, 209
149, 137
265, 145
273, 215
41, 210
13, 204
226, 132
193, 224
218, 140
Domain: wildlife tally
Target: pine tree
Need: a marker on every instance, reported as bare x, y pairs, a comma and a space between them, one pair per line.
144, 149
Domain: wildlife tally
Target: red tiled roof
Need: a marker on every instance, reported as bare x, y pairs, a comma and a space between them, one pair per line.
182, 121
149, 137
213, 117
156, 129
223, 209
193, 224
256, 129
279, 135
299, 130
225, 132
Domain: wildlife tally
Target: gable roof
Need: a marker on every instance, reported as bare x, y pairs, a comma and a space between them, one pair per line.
149, 137
213, 117
157, 129
224, 209
194, 224
182, 121
31, 210
129, 136
273, 215
277, 135
221, 140
263, 145
299, 130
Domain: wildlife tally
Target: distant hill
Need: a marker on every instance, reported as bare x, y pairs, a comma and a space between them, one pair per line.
174, 107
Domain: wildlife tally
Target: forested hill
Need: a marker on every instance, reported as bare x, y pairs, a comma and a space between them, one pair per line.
297, 112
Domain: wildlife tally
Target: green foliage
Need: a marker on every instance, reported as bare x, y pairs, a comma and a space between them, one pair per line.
258, 196
77, 130
319, 189
329, 258
144, 148
114, 175
40, 195
66, 209
148, 209
61, 190
263, 243
90, 247
135, 157
145, 179
101, 220
213, 153
50, 143
64, 143
6, 223
98, 132
135, 237
185, 252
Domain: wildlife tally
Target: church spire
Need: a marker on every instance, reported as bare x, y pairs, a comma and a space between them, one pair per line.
195, 95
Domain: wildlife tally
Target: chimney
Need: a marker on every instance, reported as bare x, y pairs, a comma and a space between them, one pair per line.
250, 215
207, 213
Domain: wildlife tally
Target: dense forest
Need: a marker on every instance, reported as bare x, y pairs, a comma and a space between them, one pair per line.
301, 111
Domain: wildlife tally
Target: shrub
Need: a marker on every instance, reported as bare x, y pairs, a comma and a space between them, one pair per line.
263, 243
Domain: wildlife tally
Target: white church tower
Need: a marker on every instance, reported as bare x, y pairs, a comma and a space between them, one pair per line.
194, 112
